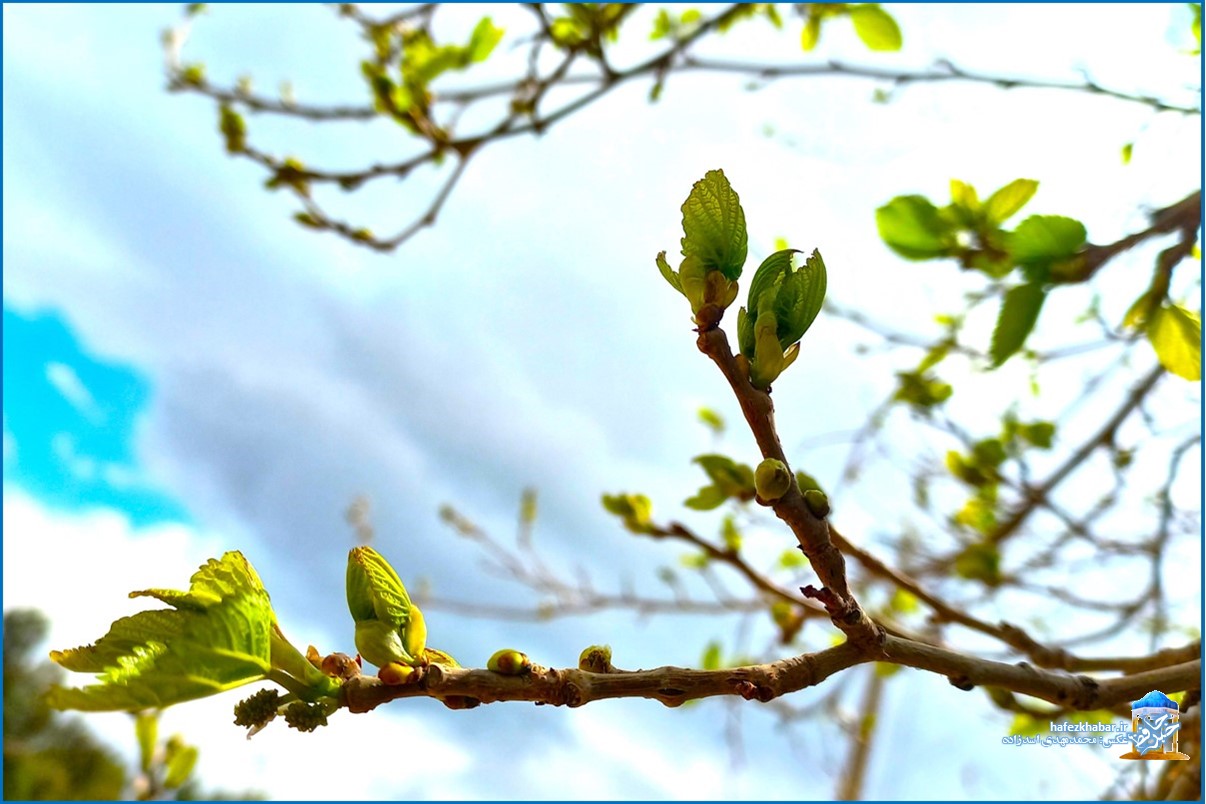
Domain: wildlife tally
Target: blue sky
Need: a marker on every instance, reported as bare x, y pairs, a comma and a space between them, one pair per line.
188, 372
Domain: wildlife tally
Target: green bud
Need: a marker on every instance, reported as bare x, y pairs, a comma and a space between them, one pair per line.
817, 503
509, 662
772, 479
595, 659
380, 644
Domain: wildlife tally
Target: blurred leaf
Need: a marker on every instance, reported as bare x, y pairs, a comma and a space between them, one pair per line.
1046, 237
912, 227
1038, 434
634, 509
979, 562
706, 499
714, 225
1019, 312
792, 558
903, 601
180, 760
146, 730
695, 561
1176, 335
811, 34
875, 27
527, 506
1127, 151
712, 420
711, 656
730, 535
886, 669
1007, 201
1136, 317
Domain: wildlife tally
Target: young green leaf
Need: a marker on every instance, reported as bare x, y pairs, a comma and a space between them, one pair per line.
1040, 238
913, 228
1005, 202
875, 27
811, 34
711, 656
1019, 312
714, 225
180, 761
1176, 335
217, 636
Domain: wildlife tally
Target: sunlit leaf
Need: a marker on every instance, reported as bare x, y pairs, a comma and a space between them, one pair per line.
714, 225
913, 228
1046, 237
875, 27
216, 636
1176, 335
1007, 201
1019, 312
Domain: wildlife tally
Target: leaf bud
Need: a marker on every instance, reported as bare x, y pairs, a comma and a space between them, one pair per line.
509, 662
595, 659
817, 503
772, 479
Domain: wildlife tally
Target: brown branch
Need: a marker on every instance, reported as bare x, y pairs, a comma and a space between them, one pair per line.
1185, 217
811, 533
945, 71
461, 687
672, 686
1034, 495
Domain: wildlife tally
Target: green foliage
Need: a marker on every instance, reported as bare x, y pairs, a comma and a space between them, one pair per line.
634, 509
1045, 238
1019, 311
712, 654
783, 303
921, 390
875, 27
389, 627
675, 27
714, 247
979, 562
730, 480
180, 760
586, 25
233, 129
730, 535
714, 225
1042, 247
1176, 335
47, 757
219, 635
914, 228
712, 420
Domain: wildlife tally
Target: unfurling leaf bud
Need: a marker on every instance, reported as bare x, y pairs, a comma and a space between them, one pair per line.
772, 479
595, 659
817, 503
509, 662
396, 674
